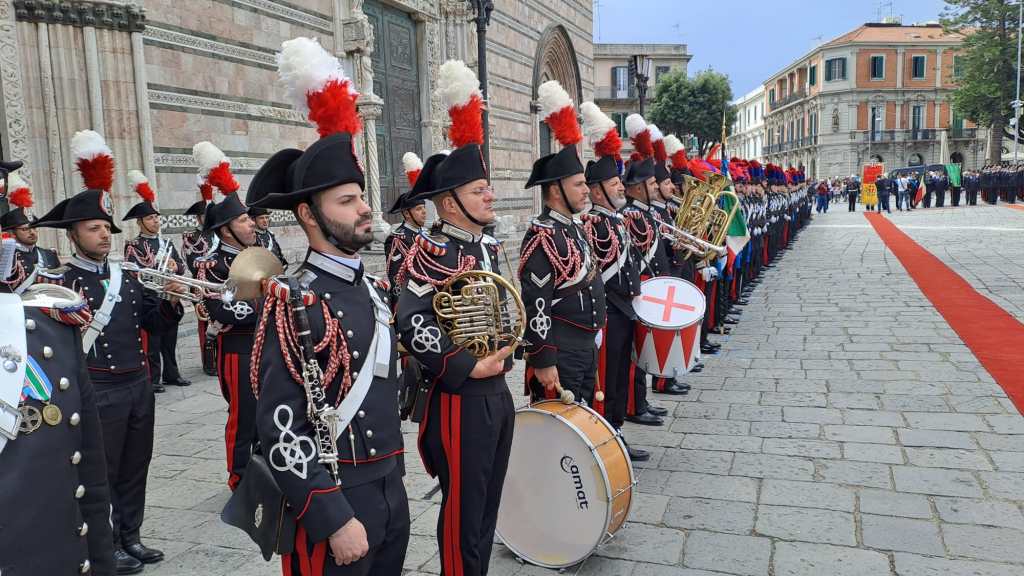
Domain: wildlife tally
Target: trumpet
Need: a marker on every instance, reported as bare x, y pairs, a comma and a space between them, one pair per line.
691, 243
157, 280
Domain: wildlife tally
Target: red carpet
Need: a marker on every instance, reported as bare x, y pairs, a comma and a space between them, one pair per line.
993, 335
1015, 206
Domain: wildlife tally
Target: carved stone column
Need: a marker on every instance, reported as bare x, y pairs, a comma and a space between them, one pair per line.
15, 126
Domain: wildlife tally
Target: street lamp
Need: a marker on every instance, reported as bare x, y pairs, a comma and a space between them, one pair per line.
1016, 100
482, 10
640, 66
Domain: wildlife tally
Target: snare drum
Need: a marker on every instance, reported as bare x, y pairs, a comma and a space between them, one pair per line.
667, 339
569, 485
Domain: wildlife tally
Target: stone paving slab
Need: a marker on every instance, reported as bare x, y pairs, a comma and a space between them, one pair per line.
844, 429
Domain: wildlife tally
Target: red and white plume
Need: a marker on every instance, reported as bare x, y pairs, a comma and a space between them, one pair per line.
557, 110
658, 143
205, 188
640, 134
215, 167
459, 91
676, 151
318, 87
141, 186
601, 132
413, 166
94, 160
18, 193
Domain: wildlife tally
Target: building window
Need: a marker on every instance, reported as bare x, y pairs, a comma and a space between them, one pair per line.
917, 72
620, 82
876, 121
835, 119
812, 75
620, 121
835, 69
917, 117
958, 66
771, 95
660, 71
877, 67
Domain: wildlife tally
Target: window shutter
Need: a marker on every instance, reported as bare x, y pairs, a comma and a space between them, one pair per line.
842, 68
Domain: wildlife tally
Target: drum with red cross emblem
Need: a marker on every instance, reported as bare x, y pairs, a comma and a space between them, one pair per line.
667, 340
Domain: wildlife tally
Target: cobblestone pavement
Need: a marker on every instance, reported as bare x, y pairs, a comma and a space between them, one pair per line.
843, 430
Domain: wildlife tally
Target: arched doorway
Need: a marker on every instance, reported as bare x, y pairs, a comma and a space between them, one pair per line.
876, 158
915, 160
555, 60
956, 157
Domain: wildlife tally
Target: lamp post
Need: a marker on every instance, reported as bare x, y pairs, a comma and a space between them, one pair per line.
482, 10
1016, 100
640, 65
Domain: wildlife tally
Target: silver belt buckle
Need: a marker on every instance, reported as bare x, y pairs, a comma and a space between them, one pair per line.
16, 414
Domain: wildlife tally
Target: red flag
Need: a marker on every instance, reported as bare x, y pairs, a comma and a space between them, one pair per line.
919, 195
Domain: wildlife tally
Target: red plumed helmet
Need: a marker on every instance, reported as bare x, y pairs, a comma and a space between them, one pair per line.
141, 186
215, 167
317, 86
459, 91
413, 166
640, 134
557, 111
601, 132
18, 192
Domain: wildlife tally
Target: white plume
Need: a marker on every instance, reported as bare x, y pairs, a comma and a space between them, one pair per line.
88, 144
673, 144
136, 177
552, 97
635, 124
655, 132
595, 122
456, 84
208, 156
15, 182
410, 162
304, 67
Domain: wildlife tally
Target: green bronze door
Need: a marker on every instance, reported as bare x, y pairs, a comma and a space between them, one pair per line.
396, 81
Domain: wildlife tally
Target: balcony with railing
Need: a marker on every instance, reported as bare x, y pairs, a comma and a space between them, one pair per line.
920, 134
614, 93
787, 99
960, 133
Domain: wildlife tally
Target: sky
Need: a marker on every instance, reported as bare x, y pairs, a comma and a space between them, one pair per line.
747, 40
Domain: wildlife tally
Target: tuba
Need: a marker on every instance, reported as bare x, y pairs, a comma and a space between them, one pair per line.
480, 312
718, 224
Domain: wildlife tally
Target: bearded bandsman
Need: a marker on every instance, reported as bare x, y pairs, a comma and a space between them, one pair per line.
149, 250
112, 343
562, 288
619, 262
414, 216
29, 258
264, 237
55, 497
352, 519
466, 431
232, 322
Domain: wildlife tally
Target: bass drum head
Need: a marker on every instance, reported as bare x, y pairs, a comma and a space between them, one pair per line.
554, 506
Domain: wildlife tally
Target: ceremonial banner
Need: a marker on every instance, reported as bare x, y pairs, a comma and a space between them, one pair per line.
953, 171
868, 189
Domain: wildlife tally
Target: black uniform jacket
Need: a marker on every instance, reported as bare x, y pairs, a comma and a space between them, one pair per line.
118, 349
619, 260
54, 498
194, 245
396, 247
238, 318
26, 260
564, 298
435, 259
371, 446
647, 238
267, 239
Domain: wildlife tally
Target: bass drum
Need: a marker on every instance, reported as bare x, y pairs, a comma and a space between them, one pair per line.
569, 485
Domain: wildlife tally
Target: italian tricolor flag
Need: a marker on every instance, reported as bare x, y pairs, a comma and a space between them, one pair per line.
737, 236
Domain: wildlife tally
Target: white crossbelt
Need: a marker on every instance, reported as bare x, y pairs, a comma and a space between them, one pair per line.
101, 317
12, 368
379, 353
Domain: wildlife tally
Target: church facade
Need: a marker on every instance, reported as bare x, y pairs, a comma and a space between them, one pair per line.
158, 76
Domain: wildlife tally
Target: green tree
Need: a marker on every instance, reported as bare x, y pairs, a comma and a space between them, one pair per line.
988, 63
694, 106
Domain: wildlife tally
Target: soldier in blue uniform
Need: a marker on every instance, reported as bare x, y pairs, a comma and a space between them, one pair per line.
353, 520
147, 250
116, 360
55, 496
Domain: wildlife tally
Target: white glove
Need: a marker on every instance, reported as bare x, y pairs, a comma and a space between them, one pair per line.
599, 338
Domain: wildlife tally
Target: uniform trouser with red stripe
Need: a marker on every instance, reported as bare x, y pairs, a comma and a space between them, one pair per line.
467, 442
577, 373
613, 360
240, 430
383, 508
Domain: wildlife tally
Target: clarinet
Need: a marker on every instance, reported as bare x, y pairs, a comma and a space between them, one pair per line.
318, 411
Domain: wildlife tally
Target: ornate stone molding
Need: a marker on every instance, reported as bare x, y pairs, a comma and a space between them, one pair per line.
154, 33
106, 15
286, 12
14, 116
171, 162
264, 112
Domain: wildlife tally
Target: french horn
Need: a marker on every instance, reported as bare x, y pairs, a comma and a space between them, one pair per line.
480, 312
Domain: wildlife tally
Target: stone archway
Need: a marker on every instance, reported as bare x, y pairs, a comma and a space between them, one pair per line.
555, 60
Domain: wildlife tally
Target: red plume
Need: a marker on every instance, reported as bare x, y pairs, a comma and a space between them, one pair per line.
660, 155
333, 109
642, 143
207, 191
609, 145
22, 198
97, 173
222, 178
713, 152
636, 157
565, 126
145, 192
467, 123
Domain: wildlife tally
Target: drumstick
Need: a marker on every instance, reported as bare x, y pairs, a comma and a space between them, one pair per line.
566, 396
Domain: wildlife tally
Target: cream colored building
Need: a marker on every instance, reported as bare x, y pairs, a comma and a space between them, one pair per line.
615, 88
747, 137
157, 78
880, 92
